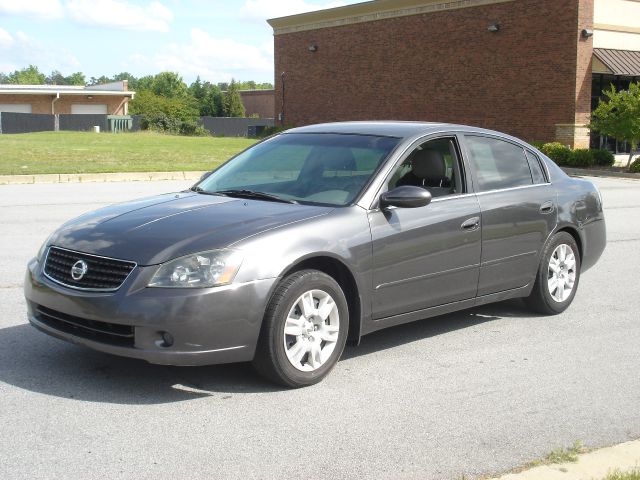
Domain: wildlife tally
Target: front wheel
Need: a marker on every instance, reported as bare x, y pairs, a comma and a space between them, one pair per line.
304, 330
558, 275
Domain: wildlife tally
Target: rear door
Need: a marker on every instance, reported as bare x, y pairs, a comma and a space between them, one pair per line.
518, 209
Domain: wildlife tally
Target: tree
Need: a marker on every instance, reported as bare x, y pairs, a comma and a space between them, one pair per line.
148, 103
144, 83
619, 116
169, 84
233, 106
75, 79
27, 76
212, 104
56, 78
131, 80
208, 97
252, 85
100, 80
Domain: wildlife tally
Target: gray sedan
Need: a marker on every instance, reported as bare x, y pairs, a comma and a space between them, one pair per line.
315, 237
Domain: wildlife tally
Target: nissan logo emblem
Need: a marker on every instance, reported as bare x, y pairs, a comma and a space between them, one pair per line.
79, 270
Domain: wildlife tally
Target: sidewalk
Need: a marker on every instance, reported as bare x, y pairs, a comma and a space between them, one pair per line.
590, 466
594, 172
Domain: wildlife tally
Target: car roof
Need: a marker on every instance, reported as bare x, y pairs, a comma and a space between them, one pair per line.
397, 129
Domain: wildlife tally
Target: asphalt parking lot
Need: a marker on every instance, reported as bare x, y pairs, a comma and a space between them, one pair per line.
471, 393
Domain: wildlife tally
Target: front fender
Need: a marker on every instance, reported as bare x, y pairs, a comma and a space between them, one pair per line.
343, 235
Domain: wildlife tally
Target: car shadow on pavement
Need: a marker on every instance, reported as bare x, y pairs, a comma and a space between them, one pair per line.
431, 327
36, 362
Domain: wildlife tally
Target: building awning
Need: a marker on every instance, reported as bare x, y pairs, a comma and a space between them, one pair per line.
619, 62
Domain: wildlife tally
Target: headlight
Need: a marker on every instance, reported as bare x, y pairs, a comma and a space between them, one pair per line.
199, 270
43, 250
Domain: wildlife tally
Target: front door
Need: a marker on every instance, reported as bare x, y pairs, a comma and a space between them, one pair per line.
428, 256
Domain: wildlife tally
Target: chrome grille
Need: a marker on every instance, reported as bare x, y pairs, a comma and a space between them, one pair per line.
102, 274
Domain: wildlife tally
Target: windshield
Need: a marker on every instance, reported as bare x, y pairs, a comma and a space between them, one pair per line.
302, 167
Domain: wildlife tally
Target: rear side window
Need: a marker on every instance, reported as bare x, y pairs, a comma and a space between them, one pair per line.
498, 164
536, 168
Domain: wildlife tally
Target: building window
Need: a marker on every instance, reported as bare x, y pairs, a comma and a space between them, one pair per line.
599, 84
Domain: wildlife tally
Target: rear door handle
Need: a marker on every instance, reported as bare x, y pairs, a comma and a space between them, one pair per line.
546, 207
470, 224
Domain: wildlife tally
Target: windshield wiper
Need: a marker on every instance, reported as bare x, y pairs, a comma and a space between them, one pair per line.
254, 194
205, 192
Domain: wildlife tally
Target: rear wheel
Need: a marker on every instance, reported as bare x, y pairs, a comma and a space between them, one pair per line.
558, 276
304, 330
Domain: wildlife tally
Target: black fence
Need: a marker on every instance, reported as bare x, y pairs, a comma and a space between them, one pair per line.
135, 122
82, 123
236, 127
26, 122
34, 122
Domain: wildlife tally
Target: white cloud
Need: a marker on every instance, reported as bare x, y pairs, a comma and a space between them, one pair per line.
31, 8
19, 50
263, 9
120, 14
6, 40
214, 59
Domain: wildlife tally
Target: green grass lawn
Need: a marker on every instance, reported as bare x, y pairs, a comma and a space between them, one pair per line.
85, 152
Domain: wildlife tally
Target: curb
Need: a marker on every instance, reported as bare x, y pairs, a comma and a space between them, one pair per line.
584, 172
594, 465
98, 177
195, 175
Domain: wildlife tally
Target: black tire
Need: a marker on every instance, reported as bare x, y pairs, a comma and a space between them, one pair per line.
540, 299
271, 359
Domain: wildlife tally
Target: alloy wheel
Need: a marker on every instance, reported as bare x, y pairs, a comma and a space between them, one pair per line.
561, 275
311, 330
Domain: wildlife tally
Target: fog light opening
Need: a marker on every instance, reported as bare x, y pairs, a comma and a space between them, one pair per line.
166, 340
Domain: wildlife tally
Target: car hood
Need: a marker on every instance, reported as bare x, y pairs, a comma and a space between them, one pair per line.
153, 230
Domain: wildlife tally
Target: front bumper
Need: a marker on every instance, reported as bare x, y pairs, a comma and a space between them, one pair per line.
208, 326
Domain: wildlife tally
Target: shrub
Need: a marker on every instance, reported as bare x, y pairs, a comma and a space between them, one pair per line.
603, 157
193, 129
581, 157
538, 145
635, 166
160, 122
557, 152
268, 131
149, 104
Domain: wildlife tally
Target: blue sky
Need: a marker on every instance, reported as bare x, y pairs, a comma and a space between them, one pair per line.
215, 39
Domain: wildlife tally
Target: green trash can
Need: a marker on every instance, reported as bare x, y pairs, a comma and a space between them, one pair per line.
119, 123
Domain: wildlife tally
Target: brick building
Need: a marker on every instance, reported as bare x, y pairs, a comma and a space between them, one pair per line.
520, 66
260, 103
108, 98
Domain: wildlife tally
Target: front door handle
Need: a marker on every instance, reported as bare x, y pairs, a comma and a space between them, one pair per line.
546, 207
471, 224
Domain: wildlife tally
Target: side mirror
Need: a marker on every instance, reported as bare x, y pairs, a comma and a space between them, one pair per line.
406, 196
205, 175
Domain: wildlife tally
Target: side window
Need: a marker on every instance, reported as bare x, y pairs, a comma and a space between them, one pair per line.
434, 166
536, 168
498, 164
